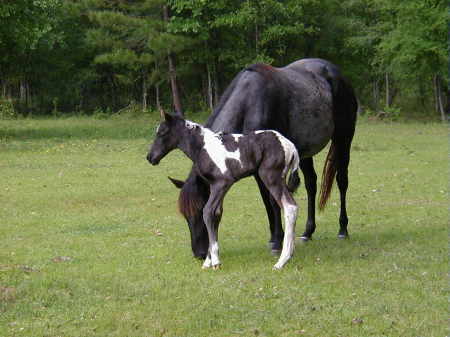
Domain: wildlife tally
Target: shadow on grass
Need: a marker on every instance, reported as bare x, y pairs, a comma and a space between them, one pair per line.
360, 245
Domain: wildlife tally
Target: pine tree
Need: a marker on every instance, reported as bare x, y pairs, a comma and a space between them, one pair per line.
132, 43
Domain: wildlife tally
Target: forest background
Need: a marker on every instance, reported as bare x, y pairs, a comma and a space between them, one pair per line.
105, 57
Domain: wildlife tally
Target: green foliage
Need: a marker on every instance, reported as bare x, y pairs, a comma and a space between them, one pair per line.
406, 45
7, 110
97, 54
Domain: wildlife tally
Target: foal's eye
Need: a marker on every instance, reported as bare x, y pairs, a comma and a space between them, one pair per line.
162, 130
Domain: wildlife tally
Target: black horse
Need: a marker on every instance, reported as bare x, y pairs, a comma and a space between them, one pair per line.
310, 103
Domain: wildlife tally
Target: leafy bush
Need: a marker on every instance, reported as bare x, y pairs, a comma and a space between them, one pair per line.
7, 110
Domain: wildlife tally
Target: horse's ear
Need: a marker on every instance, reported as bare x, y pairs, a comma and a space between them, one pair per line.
177, 183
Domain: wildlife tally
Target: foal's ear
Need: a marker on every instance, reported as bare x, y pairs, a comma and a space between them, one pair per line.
164, 115
177, 183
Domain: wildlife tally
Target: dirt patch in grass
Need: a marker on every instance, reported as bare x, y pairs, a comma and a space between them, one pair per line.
7, 294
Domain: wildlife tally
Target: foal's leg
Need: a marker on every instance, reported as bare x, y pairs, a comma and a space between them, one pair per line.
212, 213
276, 185
274, 216
310, 177
290, 210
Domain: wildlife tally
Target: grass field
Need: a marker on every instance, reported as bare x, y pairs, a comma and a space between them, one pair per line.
91, 243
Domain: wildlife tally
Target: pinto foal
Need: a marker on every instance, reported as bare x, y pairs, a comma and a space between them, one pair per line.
222, 159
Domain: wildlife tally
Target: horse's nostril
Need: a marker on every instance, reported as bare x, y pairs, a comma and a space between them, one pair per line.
150, 159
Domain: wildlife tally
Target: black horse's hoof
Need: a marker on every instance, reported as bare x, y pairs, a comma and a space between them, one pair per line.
275, 252
275, 247
343, 236
304, 239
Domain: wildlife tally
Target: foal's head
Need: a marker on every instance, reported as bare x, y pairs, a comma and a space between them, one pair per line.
168, 136
194, 194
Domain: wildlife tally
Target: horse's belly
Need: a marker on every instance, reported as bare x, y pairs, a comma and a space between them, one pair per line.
314, 130
313, 141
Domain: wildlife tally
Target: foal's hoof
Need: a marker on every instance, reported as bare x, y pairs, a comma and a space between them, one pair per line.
278, 266
343, 236
207, 263
216, 267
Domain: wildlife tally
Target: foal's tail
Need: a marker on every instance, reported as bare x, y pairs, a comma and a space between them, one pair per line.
294, 179
328, 174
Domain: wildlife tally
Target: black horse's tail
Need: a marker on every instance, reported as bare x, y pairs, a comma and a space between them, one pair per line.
344, 115
328, 174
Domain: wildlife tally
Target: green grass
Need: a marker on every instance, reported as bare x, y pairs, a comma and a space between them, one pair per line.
92, 244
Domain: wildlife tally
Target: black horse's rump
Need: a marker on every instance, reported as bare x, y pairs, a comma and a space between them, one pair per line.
310, 103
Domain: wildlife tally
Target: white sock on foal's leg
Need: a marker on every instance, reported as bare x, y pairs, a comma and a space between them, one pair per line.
290, 216
215, 262
207, 262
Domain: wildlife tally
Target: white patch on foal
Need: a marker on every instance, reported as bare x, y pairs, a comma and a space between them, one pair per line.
217, 151
236, 136
191, 125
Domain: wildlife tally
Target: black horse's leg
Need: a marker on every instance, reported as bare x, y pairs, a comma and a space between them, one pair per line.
274, 216
310, 177
342, 161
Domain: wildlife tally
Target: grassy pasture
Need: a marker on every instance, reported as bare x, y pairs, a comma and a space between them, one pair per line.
91, 243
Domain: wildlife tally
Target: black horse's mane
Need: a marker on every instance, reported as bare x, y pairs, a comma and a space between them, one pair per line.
267, 71
193, 196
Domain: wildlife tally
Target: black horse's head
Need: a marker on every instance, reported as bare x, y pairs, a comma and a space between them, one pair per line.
167, 137
193, 197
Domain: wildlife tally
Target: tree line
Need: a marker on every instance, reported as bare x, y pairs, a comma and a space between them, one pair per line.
105, 55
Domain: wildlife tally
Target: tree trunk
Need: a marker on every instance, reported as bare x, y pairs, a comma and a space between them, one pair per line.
28, 95
256, 38
144, 93
388, 94
210, 87
23, 92
158, 102
216, 86
376, 94
4, 89
439, 96
436, 94
172, 72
